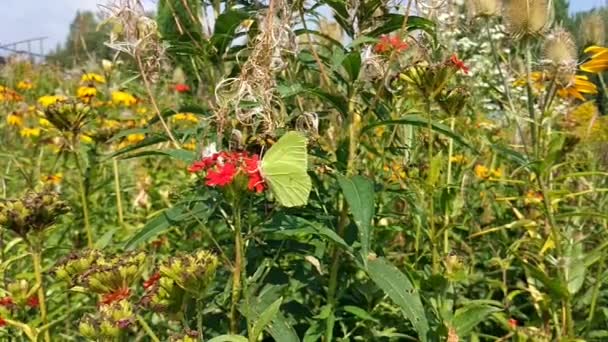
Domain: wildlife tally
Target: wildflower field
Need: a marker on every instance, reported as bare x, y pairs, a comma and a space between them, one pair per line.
331, 170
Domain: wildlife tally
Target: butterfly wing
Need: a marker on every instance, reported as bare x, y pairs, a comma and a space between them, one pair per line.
284, 168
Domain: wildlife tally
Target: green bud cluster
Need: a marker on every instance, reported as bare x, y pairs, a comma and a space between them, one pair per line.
34, 212
109, 323
192, 272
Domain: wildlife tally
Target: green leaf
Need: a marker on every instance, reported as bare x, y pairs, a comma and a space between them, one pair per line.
336, 101
280, 329
183, 155
148, 141
157, 225
575, 267
468, 317
225, 28
360, 313
292, 225
352, 65
359, 194
265, 318
393, 22
416, 120
228, 338
401, 290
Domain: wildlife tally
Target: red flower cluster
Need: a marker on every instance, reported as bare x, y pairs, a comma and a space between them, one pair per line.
33, 302
6, 301
390, 43
115, 296
223, 167
182, 88
458, 64
513, 323
151, 281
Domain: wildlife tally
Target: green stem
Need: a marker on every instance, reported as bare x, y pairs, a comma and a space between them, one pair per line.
446, 218
147, 329
530, 93
431, 192
36, 259
83, 200
596, 290
237, 271
117, 191
199, 318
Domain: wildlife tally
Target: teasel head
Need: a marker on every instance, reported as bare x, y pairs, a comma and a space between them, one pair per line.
560, 55
527, 18
593, 29
483, 8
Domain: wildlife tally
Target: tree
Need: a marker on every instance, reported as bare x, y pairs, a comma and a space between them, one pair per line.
84, 41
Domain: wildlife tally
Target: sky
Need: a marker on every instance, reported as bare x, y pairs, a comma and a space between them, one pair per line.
24, 19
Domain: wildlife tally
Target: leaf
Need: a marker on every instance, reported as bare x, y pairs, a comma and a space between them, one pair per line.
400, 289
279, 328
336, 101
265, 318
575, 267
359, 194
468, 317
352, 65
416, 120
183, 155
360, 313
228, 338
394, 22
157, 225
293, 225
148, 141
225, 28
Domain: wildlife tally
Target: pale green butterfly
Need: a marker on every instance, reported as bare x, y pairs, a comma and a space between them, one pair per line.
284, 166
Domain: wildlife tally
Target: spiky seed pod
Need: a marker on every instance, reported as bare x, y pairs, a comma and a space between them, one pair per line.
527, 17
560, 53
593, 30
483, 8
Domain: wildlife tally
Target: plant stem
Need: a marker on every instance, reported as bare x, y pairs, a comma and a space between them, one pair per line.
236, 271
147, 329
530, 93
36, 259
446, 218
83, 200
117, 191
431, 192
199, 318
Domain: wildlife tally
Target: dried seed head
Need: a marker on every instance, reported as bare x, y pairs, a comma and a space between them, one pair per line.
526, 17
560, 53
483, 8
593, 30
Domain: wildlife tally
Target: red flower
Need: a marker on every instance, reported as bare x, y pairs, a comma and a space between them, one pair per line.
151, 281
222, 175
115, 296
513, 323
6, 301
223, 167
33, 302
182, 88
458, 64
2, 322
390, 43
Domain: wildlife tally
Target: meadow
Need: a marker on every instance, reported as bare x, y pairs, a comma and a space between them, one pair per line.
309, 171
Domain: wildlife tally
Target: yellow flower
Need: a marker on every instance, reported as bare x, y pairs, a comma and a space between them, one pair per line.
9, 95
142, 110
482, 171
93, 77
135, 138
458, 159
111, 124
533, 197
599, 60
537, 77
86, 93
54, 179
123, 98
578, 86
496, 173
185, 117
191, 145
25, 85
49, 100
44, 122
14, 119
86, 139
30, 132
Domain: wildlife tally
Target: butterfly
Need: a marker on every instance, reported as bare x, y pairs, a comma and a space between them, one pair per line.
284, 169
